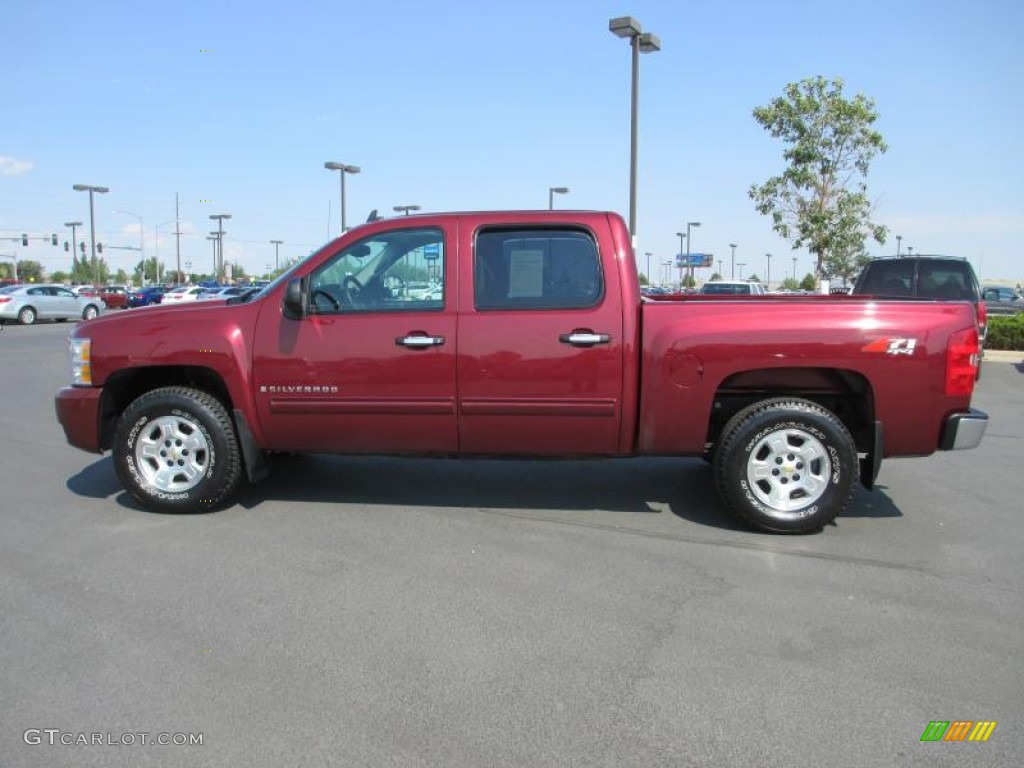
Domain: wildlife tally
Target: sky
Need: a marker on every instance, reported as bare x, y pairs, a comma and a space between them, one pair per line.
476, 106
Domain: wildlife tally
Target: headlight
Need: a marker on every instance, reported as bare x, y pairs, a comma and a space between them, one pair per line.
81, 364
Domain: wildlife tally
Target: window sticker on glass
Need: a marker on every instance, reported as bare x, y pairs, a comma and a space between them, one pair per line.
526, 278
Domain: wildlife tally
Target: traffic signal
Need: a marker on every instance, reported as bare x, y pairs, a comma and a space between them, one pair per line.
53, 239
99, 247
67, 247
24, 239
81, 246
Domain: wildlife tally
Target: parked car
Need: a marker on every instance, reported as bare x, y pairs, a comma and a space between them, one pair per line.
927, 277
25, 304
182, 294
224, 292
1002, 300
114, 296
143, 297
733, 288
534, 343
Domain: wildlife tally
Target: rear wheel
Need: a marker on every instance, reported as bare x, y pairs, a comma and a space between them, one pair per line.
785, 465
90, 312
176, 450
27, 316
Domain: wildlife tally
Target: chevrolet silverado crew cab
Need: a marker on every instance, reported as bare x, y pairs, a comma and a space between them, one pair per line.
533, 340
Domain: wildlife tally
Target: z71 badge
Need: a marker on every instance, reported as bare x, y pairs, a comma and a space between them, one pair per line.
891, 346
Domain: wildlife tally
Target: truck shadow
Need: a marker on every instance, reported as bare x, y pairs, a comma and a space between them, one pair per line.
683, 487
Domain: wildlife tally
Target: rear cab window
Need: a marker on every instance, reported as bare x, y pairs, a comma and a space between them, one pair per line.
536, 268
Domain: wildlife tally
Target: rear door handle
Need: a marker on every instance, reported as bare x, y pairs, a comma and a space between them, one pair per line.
584, 338
419, 341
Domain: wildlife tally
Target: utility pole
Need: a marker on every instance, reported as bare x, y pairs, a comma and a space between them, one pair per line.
177, 238
277, 260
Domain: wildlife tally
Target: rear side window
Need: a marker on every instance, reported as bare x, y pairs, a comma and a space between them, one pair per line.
536, 269
944, 280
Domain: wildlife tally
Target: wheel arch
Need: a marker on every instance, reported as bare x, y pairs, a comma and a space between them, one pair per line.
846, 393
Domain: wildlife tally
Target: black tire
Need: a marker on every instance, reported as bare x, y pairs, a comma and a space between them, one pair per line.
27, 316
176, 450
785, 465
90, 312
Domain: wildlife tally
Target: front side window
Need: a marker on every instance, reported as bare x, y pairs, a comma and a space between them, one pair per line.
395, 271
536, 269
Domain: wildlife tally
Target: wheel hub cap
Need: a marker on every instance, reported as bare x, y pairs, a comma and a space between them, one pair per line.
788, 470
172, 454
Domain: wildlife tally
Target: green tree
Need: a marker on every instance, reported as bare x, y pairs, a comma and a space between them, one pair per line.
789, 284
60, 277
689, 281
643, 279
145, 272
715, 276
30, 271
808, 283
820, 200
754, 278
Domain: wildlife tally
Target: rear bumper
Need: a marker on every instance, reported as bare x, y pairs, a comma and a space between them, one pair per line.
78, 411
963, 430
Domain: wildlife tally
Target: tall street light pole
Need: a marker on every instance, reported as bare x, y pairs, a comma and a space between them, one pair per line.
219, 218
768, 275
648, 275
741, 265
899, 238
213, 238
74, 239
156, 251
552, 191
343, 169
406, 209
794, 269
682, 237
640, 42
689, 243
92, 221
732, 261
277, 253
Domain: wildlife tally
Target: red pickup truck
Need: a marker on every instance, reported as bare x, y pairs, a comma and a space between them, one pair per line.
522, 334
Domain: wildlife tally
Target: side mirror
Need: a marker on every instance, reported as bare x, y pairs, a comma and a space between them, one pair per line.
296, 298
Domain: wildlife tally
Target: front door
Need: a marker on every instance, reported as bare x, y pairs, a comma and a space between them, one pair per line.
372, 368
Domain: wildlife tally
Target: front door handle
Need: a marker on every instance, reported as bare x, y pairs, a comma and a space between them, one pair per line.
419, 341
584, 338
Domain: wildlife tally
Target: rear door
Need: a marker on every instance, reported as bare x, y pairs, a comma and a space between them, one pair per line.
540, 342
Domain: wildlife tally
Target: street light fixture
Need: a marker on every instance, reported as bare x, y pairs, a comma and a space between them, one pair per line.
681, 236
689, 242
741, 265
732, 261
405, 209
92, 220
640, 42
333, 166
219, 267
277, 261
552, 191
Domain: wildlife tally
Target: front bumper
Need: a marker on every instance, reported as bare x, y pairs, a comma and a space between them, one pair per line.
78, 411
963, 430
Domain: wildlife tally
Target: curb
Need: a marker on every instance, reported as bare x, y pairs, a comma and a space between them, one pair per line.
1002, 356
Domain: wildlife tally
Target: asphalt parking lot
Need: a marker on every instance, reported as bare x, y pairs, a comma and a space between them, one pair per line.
364, 611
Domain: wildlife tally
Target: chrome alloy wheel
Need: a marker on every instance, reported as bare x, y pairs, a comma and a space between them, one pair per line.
788, 471
172, 453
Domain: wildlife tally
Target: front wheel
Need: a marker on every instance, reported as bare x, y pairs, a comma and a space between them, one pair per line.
90, 312
176, 450
785, 465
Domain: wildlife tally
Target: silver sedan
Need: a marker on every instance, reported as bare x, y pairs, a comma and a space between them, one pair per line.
26, 304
